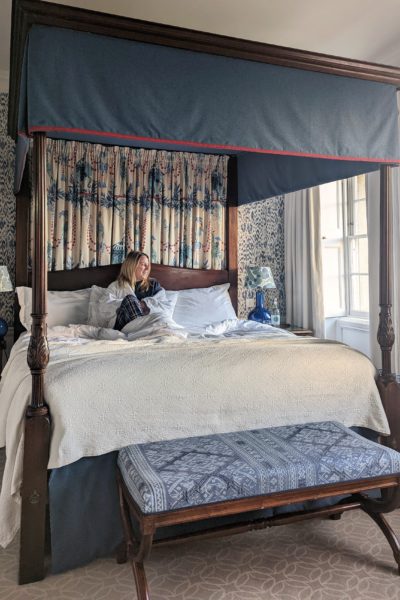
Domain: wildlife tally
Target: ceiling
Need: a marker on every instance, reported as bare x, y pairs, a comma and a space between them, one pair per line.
359, 29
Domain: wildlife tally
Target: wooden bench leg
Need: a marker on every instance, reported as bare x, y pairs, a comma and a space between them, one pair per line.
136, 551
388, 533
139, 574
389, 501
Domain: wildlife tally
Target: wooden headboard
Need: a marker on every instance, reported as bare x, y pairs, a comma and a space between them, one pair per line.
171, 278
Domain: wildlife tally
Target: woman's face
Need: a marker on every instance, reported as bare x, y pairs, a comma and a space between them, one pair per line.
143, 268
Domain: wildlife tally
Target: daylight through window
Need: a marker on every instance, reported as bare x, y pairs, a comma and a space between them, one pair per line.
345, 248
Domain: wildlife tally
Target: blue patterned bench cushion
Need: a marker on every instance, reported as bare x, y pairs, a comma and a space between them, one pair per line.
162, 476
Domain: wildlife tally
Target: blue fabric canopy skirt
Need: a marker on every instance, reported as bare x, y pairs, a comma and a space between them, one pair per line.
290, 128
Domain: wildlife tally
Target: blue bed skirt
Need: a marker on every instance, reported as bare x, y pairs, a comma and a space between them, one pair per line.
84, 511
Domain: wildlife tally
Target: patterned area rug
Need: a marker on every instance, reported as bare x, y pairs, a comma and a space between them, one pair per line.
317, 560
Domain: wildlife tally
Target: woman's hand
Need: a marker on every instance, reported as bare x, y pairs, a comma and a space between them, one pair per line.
144, 307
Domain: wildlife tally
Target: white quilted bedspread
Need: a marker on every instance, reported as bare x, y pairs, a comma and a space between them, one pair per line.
106, 394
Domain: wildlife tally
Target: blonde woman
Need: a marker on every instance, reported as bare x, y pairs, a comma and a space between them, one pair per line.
133, 285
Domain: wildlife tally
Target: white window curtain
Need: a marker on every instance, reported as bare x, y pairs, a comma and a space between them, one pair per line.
303, 262
373, 203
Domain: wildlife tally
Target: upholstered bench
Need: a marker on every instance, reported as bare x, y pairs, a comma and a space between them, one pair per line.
186, 480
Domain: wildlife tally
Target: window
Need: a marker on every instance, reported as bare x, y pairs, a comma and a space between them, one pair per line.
345, 248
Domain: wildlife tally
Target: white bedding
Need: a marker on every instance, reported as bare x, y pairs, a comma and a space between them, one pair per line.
155, 380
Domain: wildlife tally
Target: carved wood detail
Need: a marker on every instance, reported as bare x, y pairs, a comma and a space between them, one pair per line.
388, 388
385, 328
38, 350
37, 421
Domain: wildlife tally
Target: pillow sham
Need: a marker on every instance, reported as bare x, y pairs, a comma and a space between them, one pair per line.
162, 303
103, 307
63, 307
199, 307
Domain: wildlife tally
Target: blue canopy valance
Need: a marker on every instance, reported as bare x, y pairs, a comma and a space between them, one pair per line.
290, 128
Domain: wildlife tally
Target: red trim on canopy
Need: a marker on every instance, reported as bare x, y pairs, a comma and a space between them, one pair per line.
48, 128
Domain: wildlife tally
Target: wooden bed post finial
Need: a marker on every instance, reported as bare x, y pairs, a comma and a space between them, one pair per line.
37, 423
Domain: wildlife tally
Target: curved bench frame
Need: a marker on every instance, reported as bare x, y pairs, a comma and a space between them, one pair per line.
138, 550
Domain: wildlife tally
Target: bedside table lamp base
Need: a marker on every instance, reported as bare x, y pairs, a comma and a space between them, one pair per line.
3, 346
260, 313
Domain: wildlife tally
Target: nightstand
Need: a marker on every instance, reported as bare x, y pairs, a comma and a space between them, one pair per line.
300, 331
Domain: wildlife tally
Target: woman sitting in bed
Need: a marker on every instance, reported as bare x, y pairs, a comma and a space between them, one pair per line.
133, 284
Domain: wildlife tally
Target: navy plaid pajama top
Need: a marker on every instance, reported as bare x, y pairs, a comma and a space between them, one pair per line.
130, 308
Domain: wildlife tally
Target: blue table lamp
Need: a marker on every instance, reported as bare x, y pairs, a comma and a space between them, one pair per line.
5, 286
260, 279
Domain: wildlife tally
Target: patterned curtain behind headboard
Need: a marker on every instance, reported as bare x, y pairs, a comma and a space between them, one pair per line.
104, 201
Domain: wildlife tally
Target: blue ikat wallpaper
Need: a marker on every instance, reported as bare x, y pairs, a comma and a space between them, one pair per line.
261, 243
7, 209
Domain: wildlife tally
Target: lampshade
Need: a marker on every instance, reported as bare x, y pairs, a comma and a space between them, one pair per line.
5, 281
259, 277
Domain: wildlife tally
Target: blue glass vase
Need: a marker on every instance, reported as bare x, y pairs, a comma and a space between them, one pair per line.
259, 312
3, 328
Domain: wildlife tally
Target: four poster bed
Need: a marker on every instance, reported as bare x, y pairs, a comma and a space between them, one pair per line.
264, 161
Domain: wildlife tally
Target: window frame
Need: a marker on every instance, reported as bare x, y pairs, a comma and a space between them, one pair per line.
345, 192
349, 236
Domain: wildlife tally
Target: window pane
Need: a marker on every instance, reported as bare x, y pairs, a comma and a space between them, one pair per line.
358, 250
331, 210
345, 247
359, 187
332, 261
359, 297
360, 217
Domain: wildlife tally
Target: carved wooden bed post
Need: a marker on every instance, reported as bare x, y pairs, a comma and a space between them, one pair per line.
388, 387
37, 424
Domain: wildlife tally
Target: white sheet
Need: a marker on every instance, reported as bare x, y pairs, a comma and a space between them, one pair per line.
108, 393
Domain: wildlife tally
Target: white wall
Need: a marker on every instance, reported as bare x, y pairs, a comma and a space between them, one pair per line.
3, 82
349, 330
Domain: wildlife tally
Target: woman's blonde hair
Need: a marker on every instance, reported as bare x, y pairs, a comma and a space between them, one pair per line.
128, 268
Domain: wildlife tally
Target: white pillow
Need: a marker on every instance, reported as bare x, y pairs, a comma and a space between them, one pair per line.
162, 303
200, 307
63, 307
103, 305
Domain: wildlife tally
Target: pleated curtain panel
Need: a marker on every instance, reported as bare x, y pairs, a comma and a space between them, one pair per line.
303, 263
104, 201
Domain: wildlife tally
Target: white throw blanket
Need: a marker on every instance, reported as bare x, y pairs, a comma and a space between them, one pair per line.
104, 395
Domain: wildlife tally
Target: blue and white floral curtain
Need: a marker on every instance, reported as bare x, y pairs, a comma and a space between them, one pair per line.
104, 201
